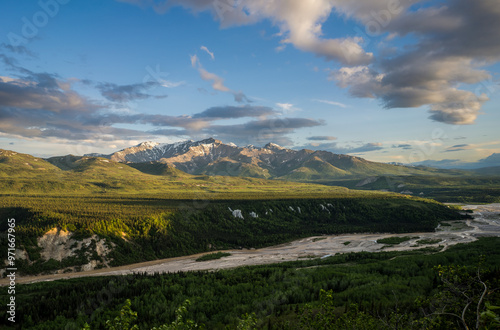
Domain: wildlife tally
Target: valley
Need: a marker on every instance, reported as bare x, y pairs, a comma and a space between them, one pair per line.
130, 219
486, 223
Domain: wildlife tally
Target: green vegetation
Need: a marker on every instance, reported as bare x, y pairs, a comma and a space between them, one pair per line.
213, 256
462, 188
165, 228
394, 240
409, 288
347, 243
429, 241
22, 175
25, 174
150, 211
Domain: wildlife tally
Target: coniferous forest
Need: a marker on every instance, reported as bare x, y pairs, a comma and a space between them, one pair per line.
421, 289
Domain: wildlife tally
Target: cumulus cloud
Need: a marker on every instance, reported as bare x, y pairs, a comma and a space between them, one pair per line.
459, 38
453, 45
361, 80
300, 23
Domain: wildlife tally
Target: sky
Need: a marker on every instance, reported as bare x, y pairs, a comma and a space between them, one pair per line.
404, 81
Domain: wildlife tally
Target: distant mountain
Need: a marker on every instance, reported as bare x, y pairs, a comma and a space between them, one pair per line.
212, 157
188, 165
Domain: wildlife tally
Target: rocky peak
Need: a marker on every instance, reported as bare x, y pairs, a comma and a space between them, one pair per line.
147, 145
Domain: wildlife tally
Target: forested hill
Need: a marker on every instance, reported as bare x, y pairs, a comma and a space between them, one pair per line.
371, 291
134, 229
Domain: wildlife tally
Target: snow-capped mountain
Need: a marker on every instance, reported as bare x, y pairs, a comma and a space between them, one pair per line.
212, 157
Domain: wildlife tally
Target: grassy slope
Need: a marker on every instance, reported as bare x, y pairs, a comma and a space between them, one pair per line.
23, 174
158, 168
494, 170
466, 189
14, 164
173, 213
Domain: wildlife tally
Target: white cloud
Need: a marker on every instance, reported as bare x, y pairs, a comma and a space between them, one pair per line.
171, 84
287, 107
194, 60
300, 23
217, 81
208, 52
338, 104
450, 42
280, 48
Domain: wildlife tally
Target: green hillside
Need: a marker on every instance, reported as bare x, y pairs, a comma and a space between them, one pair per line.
228, 167
25, 174
13, 164
158, 168
493, 170
92, 166
462, 189
315, 169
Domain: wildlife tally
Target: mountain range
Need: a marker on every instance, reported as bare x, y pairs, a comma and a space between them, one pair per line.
212, 157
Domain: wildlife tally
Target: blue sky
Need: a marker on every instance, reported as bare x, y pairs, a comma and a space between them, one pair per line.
392, 81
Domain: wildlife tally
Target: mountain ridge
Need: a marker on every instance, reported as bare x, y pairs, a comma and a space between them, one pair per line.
213, 157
